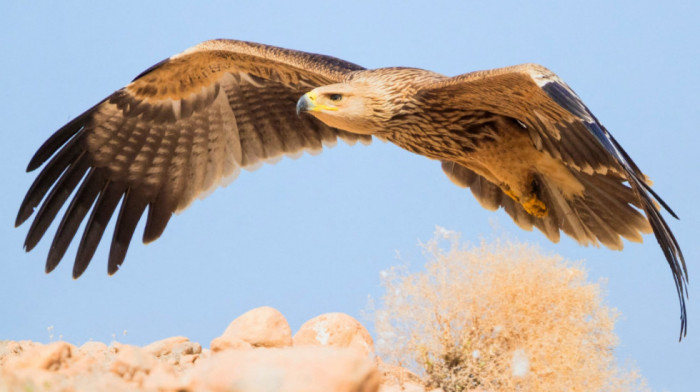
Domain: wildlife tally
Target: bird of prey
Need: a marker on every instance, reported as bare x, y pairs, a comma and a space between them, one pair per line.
518, 137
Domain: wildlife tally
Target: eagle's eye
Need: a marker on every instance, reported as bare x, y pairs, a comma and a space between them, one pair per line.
336, 97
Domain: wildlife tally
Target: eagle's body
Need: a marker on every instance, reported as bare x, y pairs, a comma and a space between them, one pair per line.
519, 137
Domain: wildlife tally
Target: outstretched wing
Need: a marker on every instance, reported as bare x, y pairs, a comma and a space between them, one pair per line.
178, 130
561, 125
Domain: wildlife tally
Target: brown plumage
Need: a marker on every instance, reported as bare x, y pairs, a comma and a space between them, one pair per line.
518, 137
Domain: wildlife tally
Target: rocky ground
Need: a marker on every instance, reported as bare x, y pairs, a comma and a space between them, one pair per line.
257, 352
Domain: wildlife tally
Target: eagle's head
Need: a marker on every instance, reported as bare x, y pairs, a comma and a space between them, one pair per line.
352, 106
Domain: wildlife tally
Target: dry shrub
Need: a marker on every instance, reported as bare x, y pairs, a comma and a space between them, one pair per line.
500, 317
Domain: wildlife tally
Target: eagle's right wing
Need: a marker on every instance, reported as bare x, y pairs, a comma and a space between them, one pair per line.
179, 129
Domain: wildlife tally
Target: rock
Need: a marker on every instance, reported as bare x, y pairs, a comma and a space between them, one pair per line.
176, 351
132, 363
165, 346
10, 349
291, 369
96, 382
336, 330
332, 352
93, 348
187, 348
260, 327
398, 379
403, 387
37, 366
49, 357
60, 366
163, 378
30, 380
95, 353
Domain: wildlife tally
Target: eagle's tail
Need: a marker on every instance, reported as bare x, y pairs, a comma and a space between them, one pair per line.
607, 210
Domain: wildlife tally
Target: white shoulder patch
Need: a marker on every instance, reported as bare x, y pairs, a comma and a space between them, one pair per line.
542, 75
543, 78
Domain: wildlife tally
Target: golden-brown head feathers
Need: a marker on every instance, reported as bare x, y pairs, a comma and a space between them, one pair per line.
367, 101
352, 106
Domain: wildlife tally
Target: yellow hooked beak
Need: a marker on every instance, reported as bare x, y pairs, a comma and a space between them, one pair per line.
307, 103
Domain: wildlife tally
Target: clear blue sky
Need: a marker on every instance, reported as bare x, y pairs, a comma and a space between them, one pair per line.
310, 236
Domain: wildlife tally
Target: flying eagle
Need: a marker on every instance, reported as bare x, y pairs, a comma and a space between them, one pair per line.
518, 137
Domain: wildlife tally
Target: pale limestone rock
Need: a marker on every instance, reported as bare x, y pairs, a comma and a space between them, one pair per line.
176, 364
49, 357
90, 357
132, 363
10, 349
96, 350
61, 367
229, 343
398, 379
93, 348
297, 369
37, 366
187, 348
165, 346
176, 351
163, 378
97, 382
404, 387
260, 327
336, 330
26, 379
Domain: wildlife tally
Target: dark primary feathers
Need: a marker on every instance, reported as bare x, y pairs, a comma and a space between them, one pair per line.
518, 137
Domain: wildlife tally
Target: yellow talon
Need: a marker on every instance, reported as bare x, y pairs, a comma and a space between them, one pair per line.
535, 207
532, 204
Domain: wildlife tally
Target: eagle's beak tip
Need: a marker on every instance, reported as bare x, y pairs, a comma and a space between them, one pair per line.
302, 104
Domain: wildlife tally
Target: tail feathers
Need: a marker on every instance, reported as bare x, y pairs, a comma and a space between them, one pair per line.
669, 245
608, 210
604, 214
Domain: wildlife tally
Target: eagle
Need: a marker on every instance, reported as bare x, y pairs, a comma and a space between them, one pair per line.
518, 137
